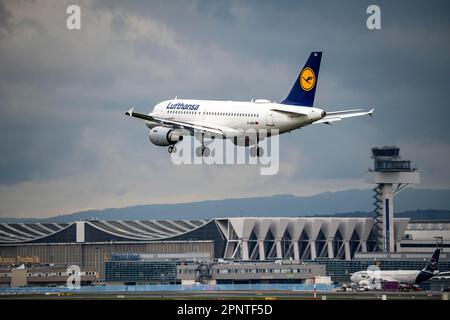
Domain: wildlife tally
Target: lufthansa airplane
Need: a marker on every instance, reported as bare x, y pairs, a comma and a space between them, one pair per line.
367, 277
170, 120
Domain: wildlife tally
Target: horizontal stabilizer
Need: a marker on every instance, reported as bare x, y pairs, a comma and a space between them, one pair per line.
334, 116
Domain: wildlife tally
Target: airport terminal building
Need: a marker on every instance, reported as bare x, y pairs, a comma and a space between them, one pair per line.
109, 248
229, 249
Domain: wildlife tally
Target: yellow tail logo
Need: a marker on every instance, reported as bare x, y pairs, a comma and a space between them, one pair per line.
307, 79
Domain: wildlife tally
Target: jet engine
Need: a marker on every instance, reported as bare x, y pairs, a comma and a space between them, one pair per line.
164, 136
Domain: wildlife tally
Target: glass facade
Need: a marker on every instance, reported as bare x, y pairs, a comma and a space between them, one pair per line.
392, 165
141, 272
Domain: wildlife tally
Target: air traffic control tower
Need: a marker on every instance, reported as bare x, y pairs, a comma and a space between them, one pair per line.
391, 175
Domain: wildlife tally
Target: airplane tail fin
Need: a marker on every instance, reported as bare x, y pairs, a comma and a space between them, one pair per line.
430, 269
432, 265
304, 88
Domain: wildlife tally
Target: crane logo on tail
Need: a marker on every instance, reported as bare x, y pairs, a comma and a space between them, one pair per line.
433, 263
307, 79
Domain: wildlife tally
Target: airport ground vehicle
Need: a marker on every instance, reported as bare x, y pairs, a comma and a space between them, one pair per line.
410, 288
390, 286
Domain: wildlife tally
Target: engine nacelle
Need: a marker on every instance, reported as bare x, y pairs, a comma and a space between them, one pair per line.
164, 136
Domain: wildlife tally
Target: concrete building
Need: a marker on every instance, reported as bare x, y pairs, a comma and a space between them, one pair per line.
42, 276
298, 238
250, 272
18, 277
89, 244
92, 244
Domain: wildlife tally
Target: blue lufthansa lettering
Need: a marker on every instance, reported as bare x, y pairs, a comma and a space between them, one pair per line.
182, 106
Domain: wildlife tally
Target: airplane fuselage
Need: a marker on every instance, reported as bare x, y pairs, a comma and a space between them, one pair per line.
400, 276
235, 116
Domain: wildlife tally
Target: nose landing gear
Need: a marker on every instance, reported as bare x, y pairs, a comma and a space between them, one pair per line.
203, 151
172, 148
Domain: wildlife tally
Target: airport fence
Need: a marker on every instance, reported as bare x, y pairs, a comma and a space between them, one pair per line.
168, 288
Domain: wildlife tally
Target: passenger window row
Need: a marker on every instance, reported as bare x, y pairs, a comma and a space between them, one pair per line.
229, 114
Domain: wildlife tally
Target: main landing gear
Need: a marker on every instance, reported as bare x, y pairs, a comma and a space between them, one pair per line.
203, 151
256, 151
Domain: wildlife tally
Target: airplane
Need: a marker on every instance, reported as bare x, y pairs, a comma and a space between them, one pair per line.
171, 120
410, 277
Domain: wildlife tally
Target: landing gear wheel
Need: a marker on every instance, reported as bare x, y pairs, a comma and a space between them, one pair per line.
259, 152
199, 151
170, 149
202, 151
256, 151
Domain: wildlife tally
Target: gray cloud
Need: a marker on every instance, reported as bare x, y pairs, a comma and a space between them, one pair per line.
66, 145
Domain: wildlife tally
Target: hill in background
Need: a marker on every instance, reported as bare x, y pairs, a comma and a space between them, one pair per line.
414, 203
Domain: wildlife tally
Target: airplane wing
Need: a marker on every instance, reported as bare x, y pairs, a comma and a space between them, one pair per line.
334, 116
191, 126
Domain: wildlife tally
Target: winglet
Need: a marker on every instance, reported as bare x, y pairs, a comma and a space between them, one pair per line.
129, 112
370, 113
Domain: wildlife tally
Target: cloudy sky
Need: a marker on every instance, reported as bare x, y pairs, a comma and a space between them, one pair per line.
67, 146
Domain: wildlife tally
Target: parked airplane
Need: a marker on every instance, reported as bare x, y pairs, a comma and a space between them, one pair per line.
170, 120
368, 277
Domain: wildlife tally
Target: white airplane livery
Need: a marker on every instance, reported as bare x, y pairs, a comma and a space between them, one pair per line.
410, 277
171, 120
